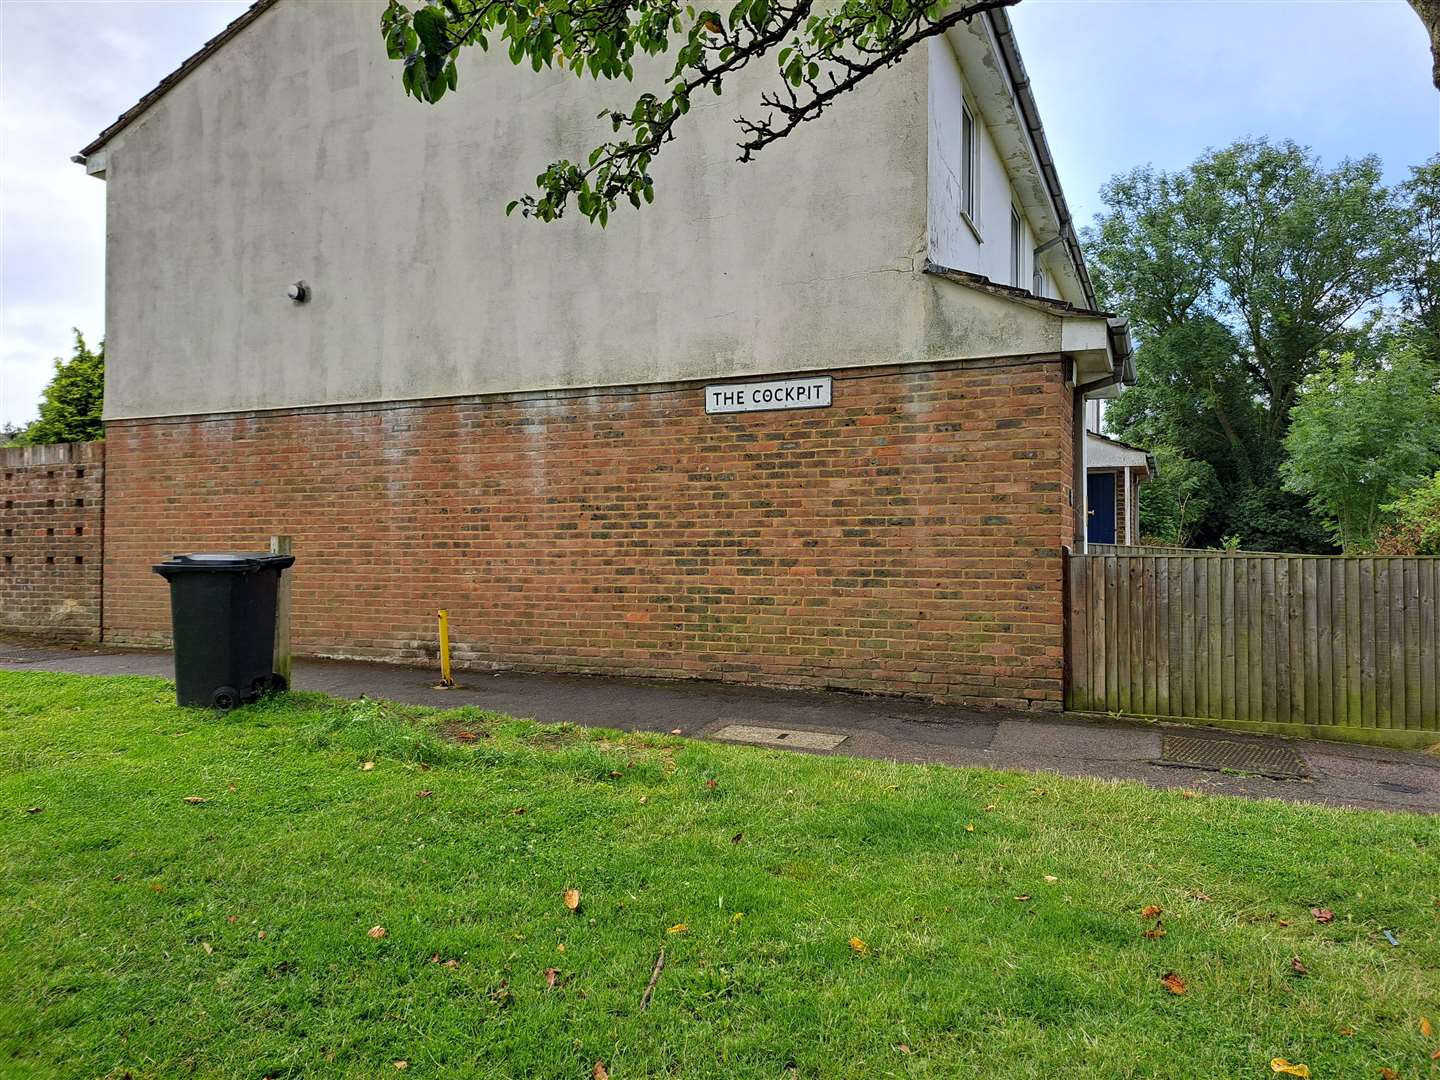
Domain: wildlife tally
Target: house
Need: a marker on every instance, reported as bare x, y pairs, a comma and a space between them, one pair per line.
1114, 472
815, 421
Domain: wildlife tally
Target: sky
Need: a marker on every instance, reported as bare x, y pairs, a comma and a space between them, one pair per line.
1120, 83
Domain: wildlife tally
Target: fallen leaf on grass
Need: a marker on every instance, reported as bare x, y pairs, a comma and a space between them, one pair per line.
572, 899
1322, 914
1280, 1065
712, 784
675, 731
232, 919
195, 800
902, 1047
1023, 897
600, 1072
1298, 966
552, 977
989, 807
969, 828
644, 799
737, 838
378, 932
859, 947
1156, 931
518, 811
1188, 794
424, 794
1435, 1056
402, 1065
1347, 1031
209, 949
367, 766
1426, 1028
1173, 983
1387, 1073
466, 736
260, 935
678, 928
1282, 922
1051, 879
155, 886
34, 809
560, 947
452, 964
1203, 897
1150, 911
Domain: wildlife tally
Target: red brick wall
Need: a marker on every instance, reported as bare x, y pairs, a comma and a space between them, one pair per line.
51, 540
905, 540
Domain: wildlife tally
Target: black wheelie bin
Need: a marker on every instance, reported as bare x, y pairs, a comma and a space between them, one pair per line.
222, 614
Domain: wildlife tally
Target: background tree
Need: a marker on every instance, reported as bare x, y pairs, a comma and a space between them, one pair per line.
1420, 284
1183, 494
1414, 528
1240, 274
818, 57
71, 405
1362, 437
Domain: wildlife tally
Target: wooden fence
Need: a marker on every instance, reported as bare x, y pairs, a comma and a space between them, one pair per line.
1332, 646
1153, 549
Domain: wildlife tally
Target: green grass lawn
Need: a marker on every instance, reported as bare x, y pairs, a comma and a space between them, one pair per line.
142, 934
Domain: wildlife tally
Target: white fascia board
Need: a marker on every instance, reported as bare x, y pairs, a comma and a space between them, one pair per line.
1102, 453
1086, 340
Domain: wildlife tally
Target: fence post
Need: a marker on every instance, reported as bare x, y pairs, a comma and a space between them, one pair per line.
282, 545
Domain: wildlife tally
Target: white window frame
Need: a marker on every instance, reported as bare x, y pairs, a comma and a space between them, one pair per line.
1017, 248
970, 169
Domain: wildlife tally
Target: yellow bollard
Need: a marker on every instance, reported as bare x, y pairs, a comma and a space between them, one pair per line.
445, 679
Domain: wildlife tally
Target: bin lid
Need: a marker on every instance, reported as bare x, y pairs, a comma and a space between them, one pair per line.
223, 562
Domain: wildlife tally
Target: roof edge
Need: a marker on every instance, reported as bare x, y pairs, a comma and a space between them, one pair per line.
1030, 112
1016, 293
1117, 328
130, 115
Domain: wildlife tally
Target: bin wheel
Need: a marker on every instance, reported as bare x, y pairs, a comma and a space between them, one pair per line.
226, 698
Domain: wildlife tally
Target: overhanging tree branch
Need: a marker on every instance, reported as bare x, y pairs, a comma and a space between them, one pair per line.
818, 56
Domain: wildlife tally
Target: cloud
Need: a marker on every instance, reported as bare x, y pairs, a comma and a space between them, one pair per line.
52, 216
1129, 82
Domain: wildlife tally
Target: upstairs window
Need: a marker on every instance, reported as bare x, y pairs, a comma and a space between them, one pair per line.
967, 162
1017, 250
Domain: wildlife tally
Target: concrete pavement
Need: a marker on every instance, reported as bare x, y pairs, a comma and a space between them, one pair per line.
1339, 774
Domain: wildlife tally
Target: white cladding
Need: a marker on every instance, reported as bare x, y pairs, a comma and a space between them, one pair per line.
978, 242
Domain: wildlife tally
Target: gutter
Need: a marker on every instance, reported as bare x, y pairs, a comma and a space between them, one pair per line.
1030, 113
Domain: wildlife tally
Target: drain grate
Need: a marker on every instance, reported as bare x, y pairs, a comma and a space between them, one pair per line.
801, 740
1202, 753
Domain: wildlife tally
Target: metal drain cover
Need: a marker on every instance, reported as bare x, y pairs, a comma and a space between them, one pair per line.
1198, 752
800, 740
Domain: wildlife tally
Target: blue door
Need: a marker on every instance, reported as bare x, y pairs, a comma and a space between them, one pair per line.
1100, 505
